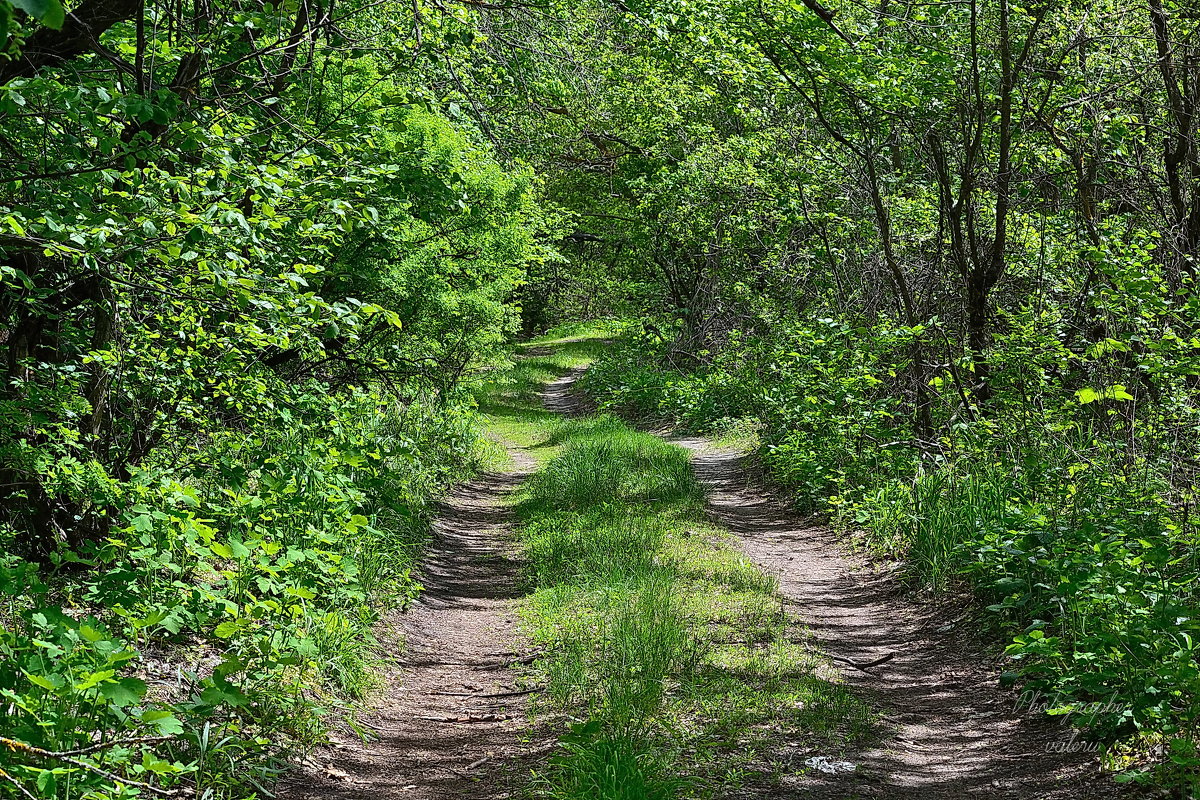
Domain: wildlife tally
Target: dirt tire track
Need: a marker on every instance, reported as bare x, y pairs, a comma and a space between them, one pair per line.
950, 732
439, 737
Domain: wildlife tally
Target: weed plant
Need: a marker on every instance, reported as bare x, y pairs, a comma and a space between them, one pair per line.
226, 613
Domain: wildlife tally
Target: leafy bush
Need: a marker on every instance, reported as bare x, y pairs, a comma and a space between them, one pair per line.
240, 310
228, 609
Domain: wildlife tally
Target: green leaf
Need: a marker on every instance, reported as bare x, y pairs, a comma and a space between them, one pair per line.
165, 721
48, 12
92, 679
90, 634
124, 692
228, 628
55, 14
1114, 392
47, 682
47, 783
173, 622
225, 693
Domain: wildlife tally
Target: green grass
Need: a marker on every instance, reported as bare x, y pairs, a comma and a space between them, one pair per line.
595, 763
669, 649
606, 463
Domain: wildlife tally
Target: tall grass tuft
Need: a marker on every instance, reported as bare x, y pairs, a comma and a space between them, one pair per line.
615, 465
598, 764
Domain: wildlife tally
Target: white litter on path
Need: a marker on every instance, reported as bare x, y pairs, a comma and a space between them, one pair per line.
823, 764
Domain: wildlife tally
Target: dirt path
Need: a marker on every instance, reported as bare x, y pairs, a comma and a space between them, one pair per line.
950, 731
452, 724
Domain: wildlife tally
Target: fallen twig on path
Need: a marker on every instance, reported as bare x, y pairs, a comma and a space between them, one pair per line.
863, 666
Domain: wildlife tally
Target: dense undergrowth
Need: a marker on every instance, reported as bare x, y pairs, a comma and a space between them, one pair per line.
941, 258
667, 651
241, 295
1078, 544
227, 612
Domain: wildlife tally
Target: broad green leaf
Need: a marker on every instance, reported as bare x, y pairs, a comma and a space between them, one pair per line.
166, 722
49, 12
228, 628
48, 682
124, 692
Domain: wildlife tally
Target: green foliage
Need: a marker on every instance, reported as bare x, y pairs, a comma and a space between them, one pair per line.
590, 546
936, 260
1076, 548
244, 596
48, 12
940, 259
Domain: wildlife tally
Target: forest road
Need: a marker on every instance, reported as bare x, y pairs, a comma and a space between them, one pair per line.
949, 731
452, 723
